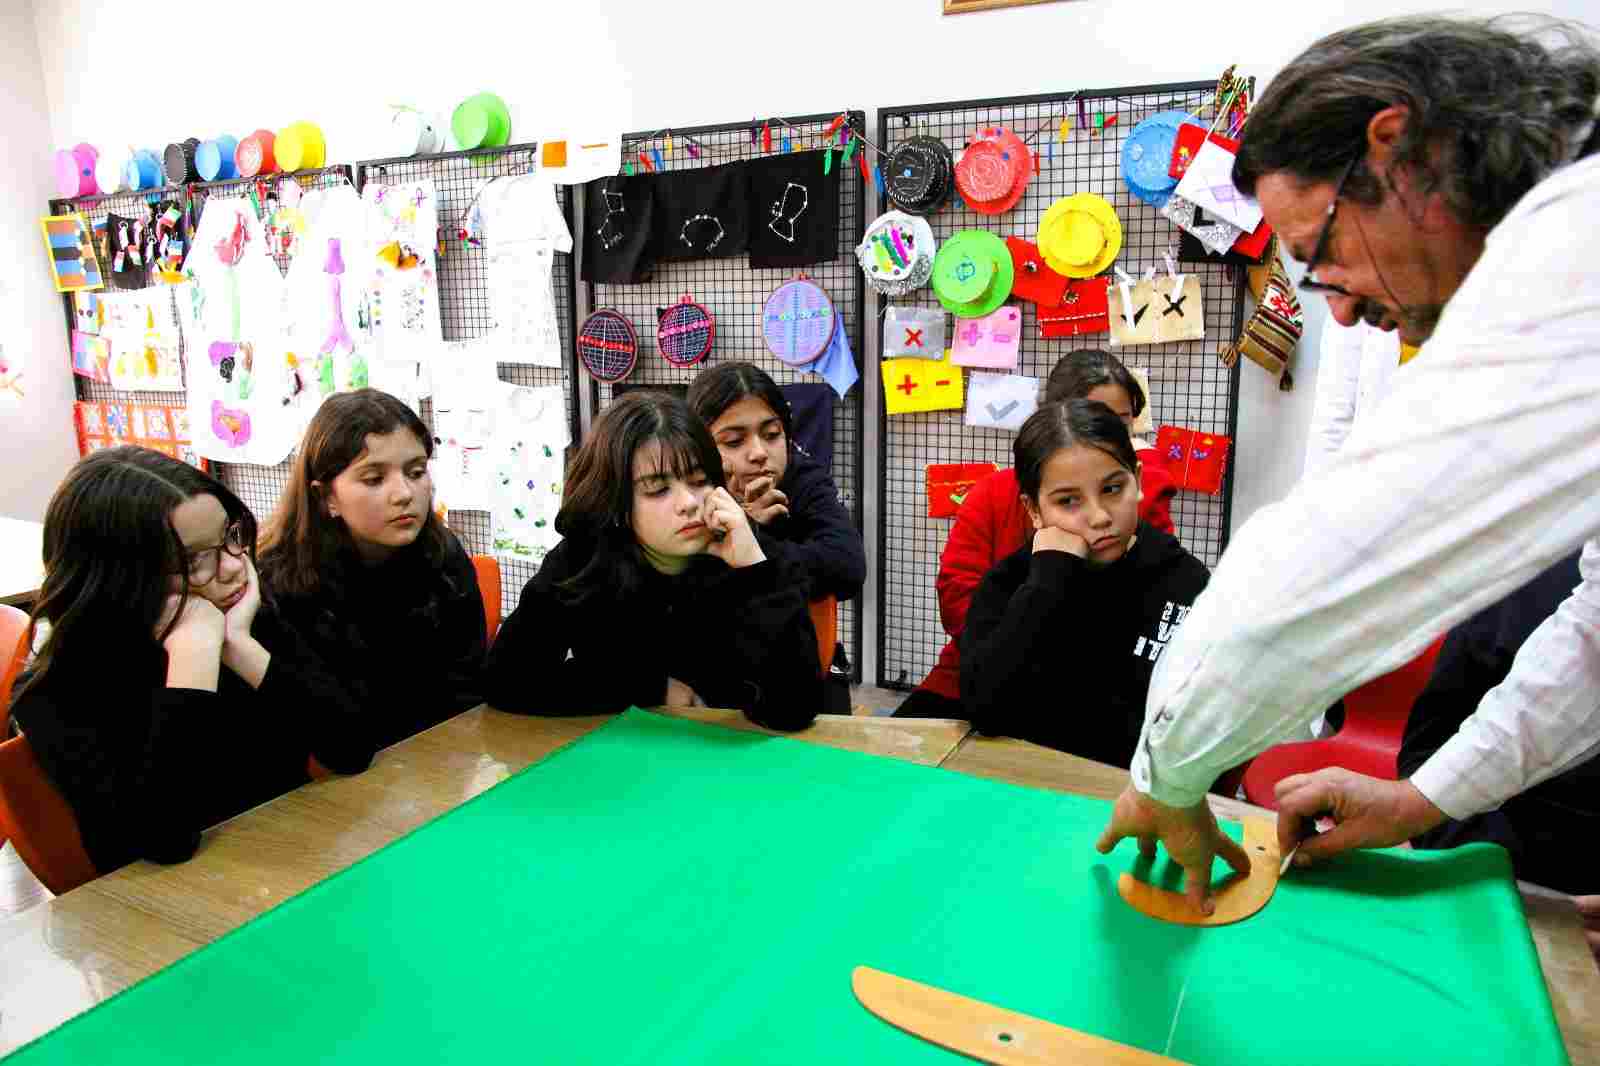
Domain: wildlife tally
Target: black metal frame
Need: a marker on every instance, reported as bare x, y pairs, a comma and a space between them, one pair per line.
908, 442
735, 293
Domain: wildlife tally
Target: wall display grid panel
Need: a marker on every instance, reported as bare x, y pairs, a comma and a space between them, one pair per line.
464, 307
736, 294
257, 486
1189, 385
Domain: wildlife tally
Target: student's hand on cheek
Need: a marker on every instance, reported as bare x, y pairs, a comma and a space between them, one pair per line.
732, 539
762, 501
1051, 539
199, 625
681, 695
239, 618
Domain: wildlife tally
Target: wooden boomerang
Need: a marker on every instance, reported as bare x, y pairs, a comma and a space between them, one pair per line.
1237, 899
983, 1031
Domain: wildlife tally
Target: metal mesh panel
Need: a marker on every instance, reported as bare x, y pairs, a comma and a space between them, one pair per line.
258, 486
735, 293
464, 310
1188, 385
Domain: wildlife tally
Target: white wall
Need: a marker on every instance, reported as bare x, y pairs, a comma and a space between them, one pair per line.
639, 65
37, 444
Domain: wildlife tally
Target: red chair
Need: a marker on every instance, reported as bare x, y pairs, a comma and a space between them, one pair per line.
1374, 724
825, 619
14, 648
488, 569
39, 822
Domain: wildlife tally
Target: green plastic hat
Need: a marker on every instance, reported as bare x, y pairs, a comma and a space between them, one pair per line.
972, 274
481, 121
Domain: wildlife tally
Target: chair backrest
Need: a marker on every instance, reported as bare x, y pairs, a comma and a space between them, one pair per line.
39, 822
488, 568
1376, 713
13, 654
825, 618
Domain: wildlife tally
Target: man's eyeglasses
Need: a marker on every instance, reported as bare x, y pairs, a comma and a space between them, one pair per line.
1308, 281
205, 562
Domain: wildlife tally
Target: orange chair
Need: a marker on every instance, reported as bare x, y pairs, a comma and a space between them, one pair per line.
39, 822
1374, 724
825, 619
488, 568
14, 648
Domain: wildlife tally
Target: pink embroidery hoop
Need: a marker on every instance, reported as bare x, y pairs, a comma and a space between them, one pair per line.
798, 322
607, 345
685, 332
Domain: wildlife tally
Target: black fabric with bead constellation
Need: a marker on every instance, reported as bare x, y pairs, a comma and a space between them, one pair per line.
702, 214
617, 229
794, 210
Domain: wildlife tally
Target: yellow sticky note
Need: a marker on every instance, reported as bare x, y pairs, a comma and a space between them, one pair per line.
911, 385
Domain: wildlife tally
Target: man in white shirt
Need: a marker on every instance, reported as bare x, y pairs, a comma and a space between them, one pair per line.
1354, 365
1437, 177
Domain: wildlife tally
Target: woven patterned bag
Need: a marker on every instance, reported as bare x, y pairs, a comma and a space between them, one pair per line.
1269, 338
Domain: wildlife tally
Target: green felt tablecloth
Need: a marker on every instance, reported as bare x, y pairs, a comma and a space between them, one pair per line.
664, 891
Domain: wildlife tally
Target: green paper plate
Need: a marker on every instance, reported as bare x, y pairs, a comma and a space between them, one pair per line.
985, 248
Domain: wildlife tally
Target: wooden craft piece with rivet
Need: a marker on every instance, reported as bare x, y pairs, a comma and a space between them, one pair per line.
1237, 899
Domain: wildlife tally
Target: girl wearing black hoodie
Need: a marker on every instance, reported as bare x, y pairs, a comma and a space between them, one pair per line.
660, 592
1062, 636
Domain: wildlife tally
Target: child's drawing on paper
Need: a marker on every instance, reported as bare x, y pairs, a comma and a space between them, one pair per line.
531, 438
403, 304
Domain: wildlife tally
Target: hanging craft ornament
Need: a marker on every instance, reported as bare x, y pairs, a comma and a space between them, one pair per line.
1080, 235
896, 255
1147, 155
254, 154
684, 332
994, 171
798, 322
972, 274
921, 175
607, 345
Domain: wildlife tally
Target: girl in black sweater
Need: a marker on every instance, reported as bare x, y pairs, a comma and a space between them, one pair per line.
786, 492
361, 565
1062, 636
170, 694
660, 591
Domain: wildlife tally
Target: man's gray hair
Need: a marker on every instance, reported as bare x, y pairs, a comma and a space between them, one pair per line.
1495, 105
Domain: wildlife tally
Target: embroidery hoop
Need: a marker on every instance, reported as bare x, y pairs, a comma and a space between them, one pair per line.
798, 321
607, 345
684, 332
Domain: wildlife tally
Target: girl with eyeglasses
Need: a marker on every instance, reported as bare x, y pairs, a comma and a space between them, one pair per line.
168, 695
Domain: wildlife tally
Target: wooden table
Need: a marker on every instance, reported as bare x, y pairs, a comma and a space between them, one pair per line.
62, 957
21, 570
1570, 972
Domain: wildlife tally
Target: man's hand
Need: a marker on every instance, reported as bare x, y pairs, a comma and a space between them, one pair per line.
1191, 836
1367, 812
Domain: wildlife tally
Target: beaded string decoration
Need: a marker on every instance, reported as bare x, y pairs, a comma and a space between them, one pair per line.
798, 321
607, 345
684, 332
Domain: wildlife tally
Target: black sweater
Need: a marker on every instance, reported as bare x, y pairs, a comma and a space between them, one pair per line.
816, 539
1059, 653
145, 768
1543, 826
407, 638
739, 637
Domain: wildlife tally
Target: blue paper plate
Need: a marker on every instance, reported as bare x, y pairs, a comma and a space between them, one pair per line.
1146, 154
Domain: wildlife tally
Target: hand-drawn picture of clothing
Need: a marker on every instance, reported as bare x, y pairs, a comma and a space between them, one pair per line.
794, 209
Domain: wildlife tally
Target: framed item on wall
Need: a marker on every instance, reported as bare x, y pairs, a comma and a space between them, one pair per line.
961, 7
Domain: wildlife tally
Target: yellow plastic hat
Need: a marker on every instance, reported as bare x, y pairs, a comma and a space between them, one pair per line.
1080, 235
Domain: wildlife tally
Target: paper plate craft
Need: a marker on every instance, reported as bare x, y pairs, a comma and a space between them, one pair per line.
1084, 309
948, 484
1197, 460
684, 332
72, 261
143, 171
993, 171
911, 386
1033, 279
1147, 155
110, 171
917, 332
990, 341
214, 159
1000, 401
607, 345
481, 121
1080, 235
75, 171
972, 273
299, 146
411, 132
254, 154
178, 161
896, 255
798, 322
920, 175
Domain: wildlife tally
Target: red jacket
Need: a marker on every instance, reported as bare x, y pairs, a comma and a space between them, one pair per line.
990, 526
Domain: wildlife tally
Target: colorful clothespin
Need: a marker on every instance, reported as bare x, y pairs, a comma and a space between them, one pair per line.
694, 150
655, 155
849, 149
627, 170
1110, 120
669, 144
644, 161
877, 174
766, 136
827, 160
861, 161
788, 145
752, 131
833, 126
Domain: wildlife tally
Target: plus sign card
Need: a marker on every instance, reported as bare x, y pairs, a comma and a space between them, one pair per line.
913, 385
990, 341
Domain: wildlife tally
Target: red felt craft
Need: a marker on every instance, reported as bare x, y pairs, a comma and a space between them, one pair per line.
948, 484
1034, 280
1084, 309
1196, 460
1254, 244
1188, 143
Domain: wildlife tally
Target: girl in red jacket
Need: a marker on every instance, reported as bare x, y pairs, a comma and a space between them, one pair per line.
993, 523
